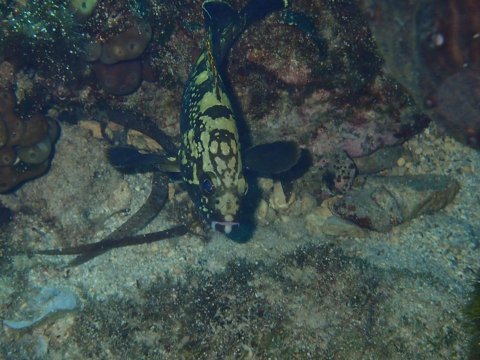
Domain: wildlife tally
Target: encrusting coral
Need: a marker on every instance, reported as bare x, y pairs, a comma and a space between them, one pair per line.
128, 45
118, 69
25, 145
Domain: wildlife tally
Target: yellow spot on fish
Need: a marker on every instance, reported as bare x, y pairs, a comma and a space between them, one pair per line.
195, 177
201, 78
233, 145
241, 186
221, 123
227, 179
214, 147
221, 166
200, 58
225, 148
232, 162
209, 99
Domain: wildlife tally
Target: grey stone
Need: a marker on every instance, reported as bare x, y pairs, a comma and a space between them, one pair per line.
384, 202
379, 160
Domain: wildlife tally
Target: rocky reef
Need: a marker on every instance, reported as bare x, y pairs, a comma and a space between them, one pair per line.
366, 249
26, 146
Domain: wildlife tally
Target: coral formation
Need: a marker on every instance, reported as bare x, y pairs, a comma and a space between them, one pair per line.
121, 78
118, 68
83, 8
128, 45
25, 145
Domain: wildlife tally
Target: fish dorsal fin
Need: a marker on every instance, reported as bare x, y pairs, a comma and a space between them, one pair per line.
272, 158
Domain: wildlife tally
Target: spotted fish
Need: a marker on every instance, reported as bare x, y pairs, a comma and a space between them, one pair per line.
210, 154
209, 159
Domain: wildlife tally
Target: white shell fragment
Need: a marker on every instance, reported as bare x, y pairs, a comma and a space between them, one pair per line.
48, 302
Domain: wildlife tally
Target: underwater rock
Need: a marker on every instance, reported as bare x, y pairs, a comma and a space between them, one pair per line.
457, 106
322, 221
384, 202
35, 130
25, 145
379, 160
295, 69
37, 153
432, 48
122, 78
49, 301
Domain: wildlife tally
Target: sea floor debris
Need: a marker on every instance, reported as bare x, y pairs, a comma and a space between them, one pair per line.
47, 303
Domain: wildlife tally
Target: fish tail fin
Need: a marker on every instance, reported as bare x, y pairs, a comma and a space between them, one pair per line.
256, 10
225, 24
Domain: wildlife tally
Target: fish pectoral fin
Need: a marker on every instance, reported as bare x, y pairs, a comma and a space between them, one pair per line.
127, 157
272, 158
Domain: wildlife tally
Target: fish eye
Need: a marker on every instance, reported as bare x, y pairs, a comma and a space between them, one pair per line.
206, 184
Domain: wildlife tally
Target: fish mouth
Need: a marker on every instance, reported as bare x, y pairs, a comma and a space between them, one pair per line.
224, 226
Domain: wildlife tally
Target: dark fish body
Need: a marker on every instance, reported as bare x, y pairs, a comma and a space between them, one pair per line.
209, 156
